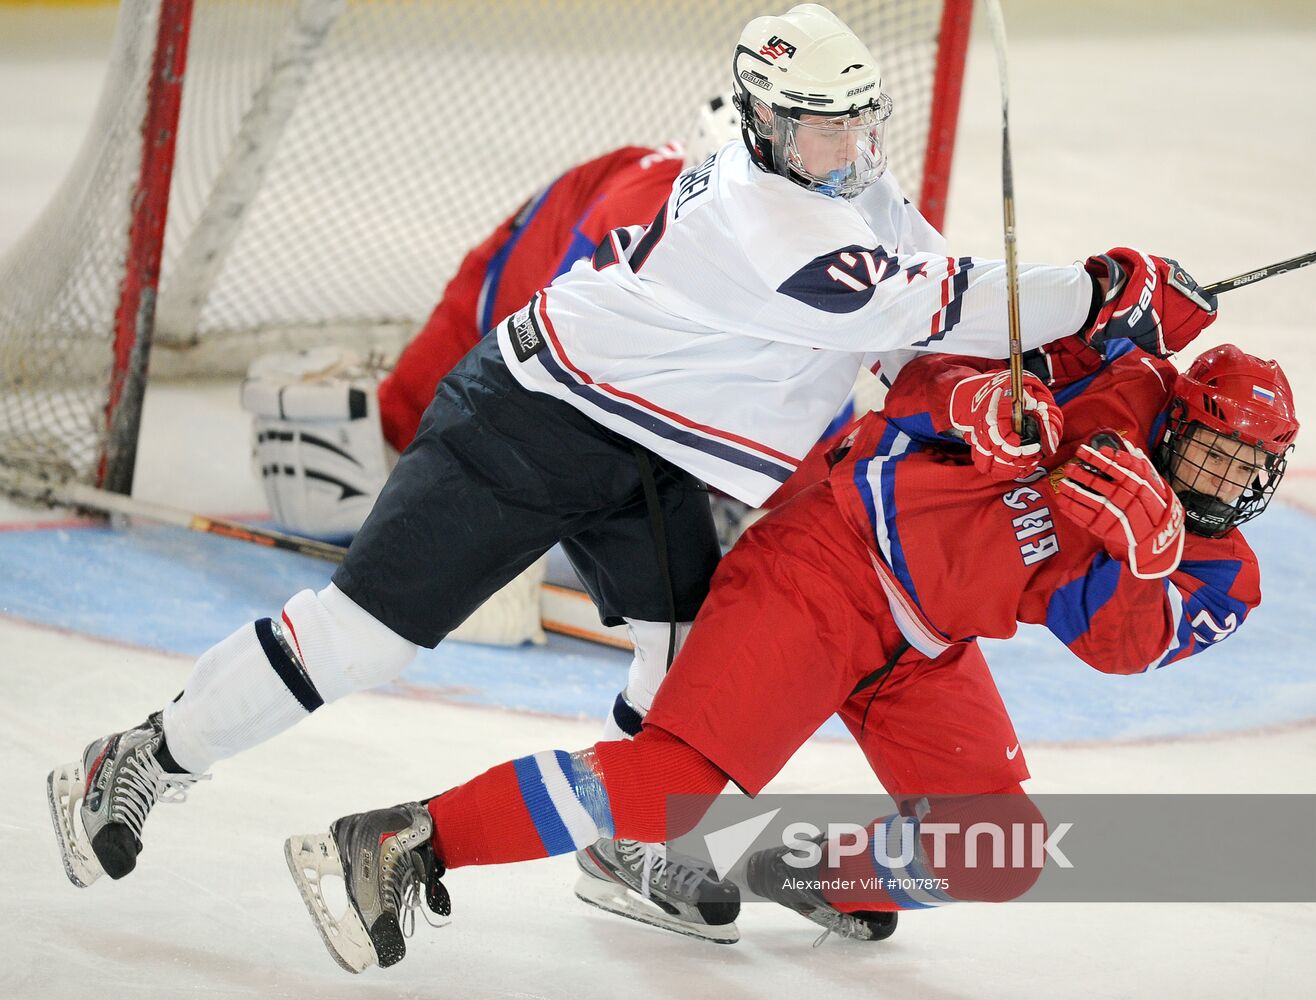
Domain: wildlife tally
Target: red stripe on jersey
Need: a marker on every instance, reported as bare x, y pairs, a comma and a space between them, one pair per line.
937, 318
643, 403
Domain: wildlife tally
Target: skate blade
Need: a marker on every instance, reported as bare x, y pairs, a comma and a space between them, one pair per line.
616, 898
64, 790
310, 857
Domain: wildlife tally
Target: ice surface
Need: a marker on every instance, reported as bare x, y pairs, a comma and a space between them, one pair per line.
1186, 129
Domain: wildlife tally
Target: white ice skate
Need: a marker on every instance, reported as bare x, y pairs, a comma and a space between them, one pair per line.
98, 804
648, 883
384, 859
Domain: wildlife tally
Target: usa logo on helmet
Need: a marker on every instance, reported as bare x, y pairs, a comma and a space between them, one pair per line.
777, 47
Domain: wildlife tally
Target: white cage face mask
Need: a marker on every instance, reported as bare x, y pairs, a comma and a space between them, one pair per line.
836, 155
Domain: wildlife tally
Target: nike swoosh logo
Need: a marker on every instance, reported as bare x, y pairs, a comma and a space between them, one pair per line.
1012, 752
1148, 363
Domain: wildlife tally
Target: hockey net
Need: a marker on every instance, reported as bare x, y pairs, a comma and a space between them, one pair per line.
262, 175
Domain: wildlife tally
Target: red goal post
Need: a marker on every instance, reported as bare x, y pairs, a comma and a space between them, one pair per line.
265, 174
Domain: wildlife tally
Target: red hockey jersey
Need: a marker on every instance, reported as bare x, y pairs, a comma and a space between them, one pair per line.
962, 556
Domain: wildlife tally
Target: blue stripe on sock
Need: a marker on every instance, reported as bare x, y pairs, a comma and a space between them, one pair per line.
548, 824
898, 895
581, 769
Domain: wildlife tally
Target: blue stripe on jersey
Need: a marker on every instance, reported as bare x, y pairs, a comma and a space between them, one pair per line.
1218, 575
920, 428
951, 311
1114, 349
1157, 432
865, 488
580, 247
883, 504
548, 824
861, 480
1218, 615
493, 274
722, 450
1072, 607
959, 285
899, 565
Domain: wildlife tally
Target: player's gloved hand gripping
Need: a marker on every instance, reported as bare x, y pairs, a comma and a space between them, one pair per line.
1150, 300
981, 409
1117, 495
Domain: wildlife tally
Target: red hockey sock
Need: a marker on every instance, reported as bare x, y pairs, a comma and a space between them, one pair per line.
555, 802
860, 884
642, 773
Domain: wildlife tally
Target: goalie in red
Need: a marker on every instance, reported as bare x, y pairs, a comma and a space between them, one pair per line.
1117, 531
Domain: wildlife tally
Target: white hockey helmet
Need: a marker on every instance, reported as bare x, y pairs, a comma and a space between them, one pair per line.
716, 124
811, 101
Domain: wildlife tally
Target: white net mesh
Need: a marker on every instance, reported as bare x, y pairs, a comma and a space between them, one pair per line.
336, 159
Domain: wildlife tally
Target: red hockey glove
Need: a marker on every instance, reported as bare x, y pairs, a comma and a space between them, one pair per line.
1150, 300
1118, 495
981, 408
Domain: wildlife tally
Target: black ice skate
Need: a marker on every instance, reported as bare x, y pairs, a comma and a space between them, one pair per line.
768, 875
648, 883
99, 804
384, 857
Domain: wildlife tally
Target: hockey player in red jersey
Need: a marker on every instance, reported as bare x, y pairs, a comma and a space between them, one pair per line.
710, 348
935, 525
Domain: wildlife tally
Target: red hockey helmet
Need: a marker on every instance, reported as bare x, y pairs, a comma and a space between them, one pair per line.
1231, 426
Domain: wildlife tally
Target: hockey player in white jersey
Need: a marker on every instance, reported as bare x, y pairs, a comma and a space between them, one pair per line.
711, 347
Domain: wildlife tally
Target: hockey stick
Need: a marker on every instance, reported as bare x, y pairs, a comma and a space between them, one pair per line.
89, 498
1261, 273
997, 21
562, 610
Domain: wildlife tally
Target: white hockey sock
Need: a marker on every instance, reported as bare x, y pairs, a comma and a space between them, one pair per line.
648, 668
269, 675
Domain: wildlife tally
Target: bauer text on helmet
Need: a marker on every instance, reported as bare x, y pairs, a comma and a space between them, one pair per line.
810, 94
1231, 427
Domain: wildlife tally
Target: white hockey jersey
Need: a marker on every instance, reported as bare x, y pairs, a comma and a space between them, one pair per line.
726, 334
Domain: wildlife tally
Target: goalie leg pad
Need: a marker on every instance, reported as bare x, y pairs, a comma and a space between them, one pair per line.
317, 440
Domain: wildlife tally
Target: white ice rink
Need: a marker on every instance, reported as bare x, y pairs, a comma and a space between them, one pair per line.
1187, 129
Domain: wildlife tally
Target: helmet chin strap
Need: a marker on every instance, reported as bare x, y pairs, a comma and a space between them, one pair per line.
1205, 514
